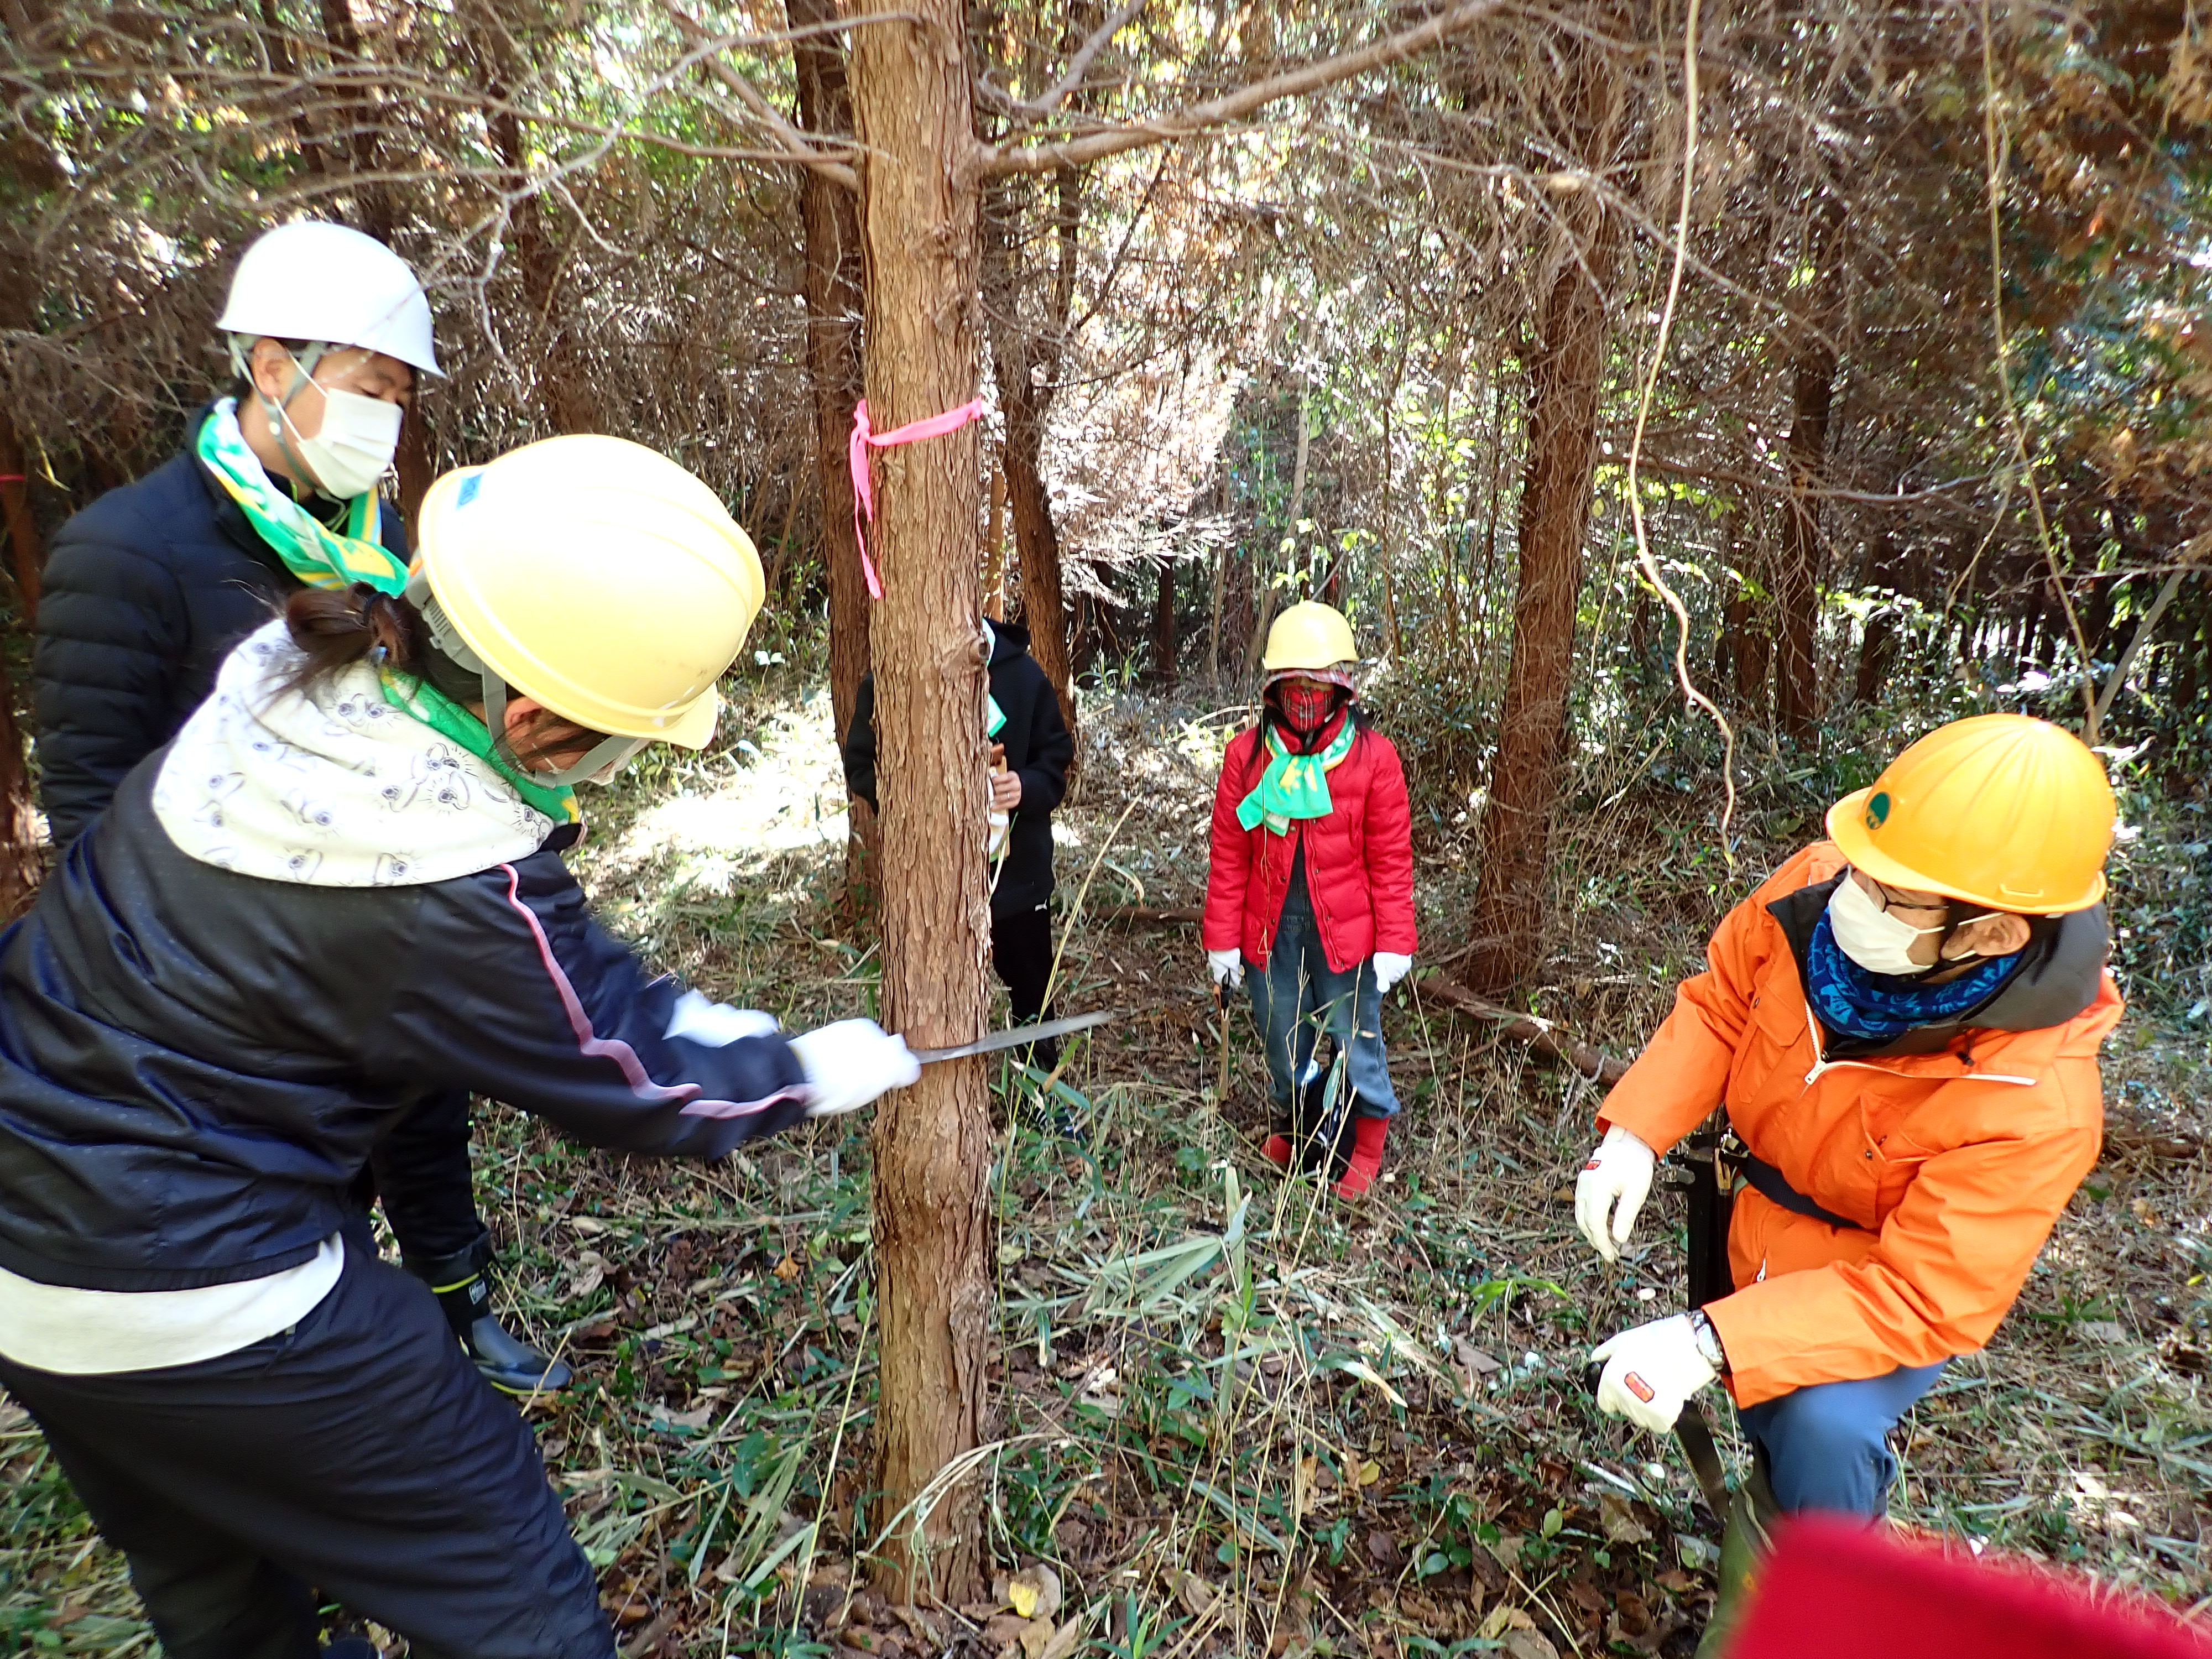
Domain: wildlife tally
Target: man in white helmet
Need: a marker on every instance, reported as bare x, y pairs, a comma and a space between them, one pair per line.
152, 585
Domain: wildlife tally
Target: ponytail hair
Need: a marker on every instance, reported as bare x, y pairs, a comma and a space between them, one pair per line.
334, 627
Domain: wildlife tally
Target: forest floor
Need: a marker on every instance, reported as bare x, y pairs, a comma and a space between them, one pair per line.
1236, 1415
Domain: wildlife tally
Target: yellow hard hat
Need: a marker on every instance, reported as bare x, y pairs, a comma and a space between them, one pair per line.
1308, 635
2000, 810
597, 576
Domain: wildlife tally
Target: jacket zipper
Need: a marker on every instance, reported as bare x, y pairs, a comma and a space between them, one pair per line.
1822, 1065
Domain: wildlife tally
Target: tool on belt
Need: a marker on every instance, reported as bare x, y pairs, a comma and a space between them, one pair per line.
1019, 1037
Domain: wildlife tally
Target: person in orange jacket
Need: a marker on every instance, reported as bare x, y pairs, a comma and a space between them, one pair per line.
1902, 1023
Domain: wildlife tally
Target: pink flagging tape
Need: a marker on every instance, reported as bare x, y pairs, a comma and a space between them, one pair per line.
864, 439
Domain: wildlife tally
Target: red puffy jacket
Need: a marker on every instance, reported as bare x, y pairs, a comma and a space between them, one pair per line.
1359, 859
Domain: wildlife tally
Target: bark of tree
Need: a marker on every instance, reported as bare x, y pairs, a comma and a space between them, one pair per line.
830, 217
1164, 625
564, 383
1564, 380
1036, 538
1025, 363
1878, 640
918, 217
1797, 585
20, 862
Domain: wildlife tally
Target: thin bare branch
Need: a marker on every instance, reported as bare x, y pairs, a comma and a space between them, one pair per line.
1079, 65
1246, 100
797, 148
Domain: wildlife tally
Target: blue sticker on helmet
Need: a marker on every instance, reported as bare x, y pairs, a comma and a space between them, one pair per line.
470, 485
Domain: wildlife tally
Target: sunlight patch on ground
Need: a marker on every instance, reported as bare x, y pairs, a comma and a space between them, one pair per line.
778, 791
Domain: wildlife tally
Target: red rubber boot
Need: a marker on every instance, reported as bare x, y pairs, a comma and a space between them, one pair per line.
1366, 1156
1277, 1151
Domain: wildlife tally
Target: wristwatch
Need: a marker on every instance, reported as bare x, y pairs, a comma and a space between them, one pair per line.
1709, 1340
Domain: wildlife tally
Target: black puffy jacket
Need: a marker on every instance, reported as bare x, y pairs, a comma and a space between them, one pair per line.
1039, 747
145, 593
194, 1064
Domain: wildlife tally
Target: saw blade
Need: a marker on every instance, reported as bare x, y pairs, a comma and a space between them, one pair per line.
1019, 1035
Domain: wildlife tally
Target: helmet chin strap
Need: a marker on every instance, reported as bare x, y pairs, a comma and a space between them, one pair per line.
606, 753
280, 413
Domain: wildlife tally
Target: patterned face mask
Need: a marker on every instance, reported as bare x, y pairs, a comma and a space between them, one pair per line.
1306, 704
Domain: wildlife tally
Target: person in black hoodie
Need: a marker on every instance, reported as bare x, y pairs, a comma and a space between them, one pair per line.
1031, 747
148, 588
340, 890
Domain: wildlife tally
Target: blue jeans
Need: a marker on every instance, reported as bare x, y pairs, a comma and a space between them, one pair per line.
1297, 996
1827, 1446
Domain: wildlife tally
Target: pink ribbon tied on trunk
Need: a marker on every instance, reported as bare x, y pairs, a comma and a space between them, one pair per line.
864, 439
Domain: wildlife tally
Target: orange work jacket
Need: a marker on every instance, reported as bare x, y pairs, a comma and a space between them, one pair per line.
1956, 1164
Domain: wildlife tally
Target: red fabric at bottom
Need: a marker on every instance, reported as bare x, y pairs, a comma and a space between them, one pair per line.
1366, 1161
1838, 1590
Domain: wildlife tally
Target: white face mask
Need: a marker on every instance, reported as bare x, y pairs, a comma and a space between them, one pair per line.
354, 448
1878, 941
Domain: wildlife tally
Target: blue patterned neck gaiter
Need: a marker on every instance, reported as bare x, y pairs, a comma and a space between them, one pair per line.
1877, 1007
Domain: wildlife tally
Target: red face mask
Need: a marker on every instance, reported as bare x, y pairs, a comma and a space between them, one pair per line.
1306, 704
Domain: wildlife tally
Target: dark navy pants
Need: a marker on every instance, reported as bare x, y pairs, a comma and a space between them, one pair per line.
358, 1454
1827, 1447
420, 1172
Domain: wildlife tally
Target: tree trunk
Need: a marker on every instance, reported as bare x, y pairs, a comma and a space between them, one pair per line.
831, 219
564, 385
1164, 626
1555, 503
1797, 587
20, 862
995, 549
918, 217
1026, 366
1036, 539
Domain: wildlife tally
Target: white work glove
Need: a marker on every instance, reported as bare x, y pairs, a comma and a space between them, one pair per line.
1618, 1173
1389, 969
1227, 968
715, 1024
1651, 1372
850, 1063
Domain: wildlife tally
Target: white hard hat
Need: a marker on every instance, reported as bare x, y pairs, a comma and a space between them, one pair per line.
329, 284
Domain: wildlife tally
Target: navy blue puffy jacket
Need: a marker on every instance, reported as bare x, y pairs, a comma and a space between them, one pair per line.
145, 593
194, 1065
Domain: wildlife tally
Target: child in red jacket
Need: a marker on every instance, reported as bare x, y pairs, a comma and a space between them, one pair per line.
1312, 888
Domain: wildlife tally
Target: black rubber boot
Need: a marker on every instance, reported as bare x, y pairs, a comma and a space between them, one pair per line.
1322, 1129
507, 1365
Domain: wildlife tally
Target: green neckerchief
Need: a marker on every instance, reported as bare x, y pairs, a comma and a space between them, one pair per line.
321, 557
995, 718
1294, 786
418, 697
312, 550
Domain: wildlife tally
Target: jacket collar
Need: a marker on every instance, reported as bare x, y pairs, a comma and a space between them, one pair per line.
2059, 976
229, 517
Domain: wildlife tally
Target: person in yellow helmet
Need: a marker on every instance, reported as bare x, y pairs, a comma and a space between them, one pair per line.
1310, 888
339, 889
1902, 1026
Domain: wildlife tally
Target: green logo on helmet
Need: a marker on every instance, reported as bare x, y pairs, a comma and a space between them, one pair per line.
1877, 811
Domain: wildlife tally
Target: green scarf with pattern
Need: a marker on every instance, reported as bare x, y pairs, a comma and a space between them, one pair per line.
1294, 786
323, 558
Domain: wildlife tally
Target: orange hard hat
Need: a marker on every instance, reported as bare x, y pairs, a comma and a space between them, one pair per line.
2000, 810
